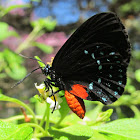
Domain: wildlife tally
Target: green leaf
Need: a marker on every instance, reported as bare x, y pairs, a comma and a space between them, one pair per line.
130, 6
12, 7
102, 136
39, 98
99, 117
74, 132
11, 131
40, 108
45, 48
47, 23
14, 100
14, 69
50, 24
93, 113
105, 116
64, 110
5, 32
39, 62
2, 75
137, 75
131, 88
123, 129
72, 118
6, 98
98, 136
16, 73
136, 54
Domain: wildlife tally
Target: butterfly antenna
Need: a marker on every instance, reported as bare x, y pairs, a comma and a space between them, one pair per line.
31, 58
25, 77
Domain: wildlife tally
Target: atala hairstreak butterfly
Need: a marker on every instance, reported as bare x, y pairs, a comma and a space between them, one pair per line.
92, 64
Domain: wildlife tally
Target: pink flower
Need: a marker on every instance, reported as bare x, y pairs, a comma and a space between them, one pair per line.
53, 39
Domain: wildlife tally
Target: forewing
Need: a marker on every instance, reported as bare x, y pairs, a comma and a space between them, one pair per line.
101, 28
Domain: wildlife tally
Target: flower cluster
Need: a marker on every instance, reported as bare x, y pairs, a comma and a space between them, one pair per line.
45, 95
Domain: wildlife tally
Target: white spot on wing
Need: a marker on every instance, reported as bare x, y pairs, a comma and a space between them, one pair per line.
98, 62
91, 86
99, 80
85, 51
93, 55
112, 53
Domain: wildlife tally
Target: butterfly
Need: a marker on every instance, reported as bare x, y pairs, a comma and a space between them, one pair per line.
92, 64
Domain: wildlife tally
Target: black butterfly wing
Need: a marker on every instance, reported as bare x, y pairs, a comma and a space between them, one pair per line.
96, 56
103, 27
101, 70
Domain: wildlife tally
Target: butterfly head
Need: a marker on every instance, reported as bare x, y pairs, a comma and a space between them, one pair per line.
46, 70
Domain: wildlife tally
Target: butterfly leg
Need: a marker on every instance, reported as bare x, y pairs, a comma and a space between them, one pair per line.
61, 96
53, 98
46, 85
55, 92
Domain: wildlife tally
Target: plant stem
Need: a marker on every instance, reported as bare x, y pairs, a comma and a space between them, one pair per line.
45, 133
58, 123
136, 111
30, 110
44, 116
20, 117
22, 104
32, 36
47, 116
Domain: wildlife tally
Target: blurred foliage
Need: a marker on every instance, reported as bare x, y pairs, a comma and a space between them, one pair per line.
47, 23
5, 33
137, 75
63, 126
11, 65
38, 31
4, 11
130, 7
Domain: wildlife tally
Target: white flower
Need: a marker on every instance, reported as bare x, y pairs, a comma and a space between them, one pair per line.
52, 103
50, 100
40, 88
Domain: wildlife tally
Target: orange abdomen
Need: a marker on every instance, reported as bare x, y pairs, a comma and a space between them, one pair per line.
76, 104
